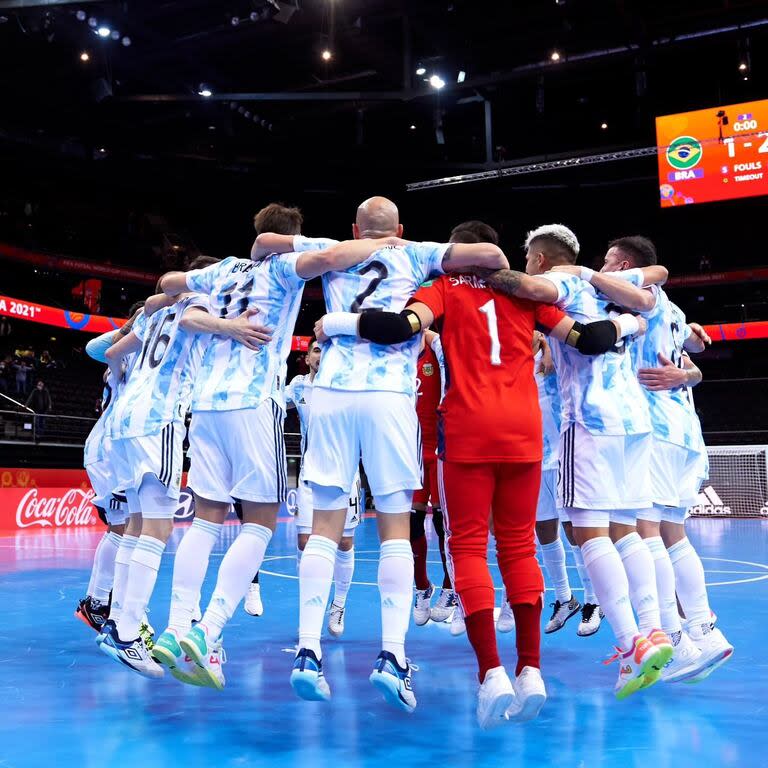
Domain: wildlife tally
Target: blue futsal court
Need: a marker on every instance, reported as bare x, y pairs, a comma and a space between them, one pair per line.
66, 704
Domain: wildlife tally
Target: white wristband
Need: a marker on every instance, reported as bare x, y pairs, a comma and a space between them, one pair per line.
586, 274
340, 324
629, 325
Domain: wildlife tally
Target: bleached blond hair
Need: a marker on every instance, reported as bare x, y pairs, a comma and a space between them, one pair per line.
557, 232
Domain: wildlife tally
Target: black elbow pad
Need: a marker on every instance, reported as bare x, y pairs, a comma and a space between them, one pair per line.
593, 338
388, 327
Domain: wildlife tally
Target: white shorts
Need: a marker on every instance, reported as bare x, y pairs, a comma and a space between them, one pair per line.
695, 474
104, 483
603, 472
304, 502
672, 467
160, 455
380, 426
546, 508
239, 454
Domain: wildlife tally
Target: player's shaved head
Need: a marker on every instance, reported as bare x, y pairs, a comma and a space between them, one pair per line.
377, 217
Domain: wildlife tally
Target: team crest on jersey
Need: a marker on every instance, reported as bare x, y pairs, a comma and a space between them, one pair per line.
428, 369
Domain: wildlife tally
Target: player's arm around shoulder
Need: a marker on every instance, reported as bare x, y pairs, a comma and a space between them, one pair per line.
341, 256
510, 282
622, 291
242, 329
599, 336
461, 257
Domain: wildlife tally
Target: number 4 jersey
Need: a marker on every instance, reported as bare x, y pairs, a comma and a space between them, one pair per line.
490, 411
160, 385
384, 281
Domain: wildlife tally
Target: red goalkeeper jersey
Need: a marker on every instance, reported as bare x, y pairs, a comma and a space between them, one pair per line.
490, 411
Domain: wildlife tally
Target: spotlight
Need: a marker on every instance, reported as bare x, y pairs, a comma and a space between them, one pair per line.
413, 127
247, 115
421, 71
555, 56
241, 110
81, 15
604, 126
103, 31
126, 41
233, 105
743, 66
102, 151
462, 76
115, 35
437, 82
234, 21
255, 16
204, 91
746, 78
92, 23
85, 56
326, 55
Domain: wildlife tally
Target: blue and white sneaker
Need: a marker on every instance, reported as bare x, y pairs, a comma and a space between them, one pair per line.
133, 654
106, 628
307, 677
394, 682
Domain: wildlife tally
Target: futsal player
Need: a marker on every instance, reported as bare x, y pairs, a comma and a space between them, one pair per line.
236, 436
298, 395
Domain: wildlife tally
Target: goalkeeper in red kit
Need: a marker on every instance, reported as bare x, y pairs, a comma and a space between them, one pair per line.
490, 450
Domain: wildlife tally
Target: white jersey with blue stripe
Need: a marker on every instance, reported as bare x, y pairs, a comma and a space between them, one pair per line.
299, 394
600, 392
94, 450
386, 280
666, 334
233, 376
160, 386
549, 401
437, 348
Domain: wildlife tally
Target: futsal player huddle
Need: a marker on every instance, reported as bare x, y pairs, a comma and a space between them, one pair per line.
619, 426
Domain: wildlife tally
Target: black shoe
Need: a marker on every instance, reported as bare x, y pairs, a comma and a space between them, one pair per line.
92, 613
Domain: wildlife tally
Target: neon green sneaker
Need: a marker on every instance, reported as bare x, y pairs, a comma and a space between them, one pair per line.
207, 656
167, 651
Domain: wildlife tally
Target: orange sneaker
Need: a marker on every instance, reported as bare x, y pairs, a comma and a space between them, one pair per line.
665, 651
633, 666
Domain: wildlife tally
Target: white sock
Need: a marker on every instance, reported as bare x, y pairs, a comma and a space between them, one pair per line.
189, 568
609, 580
103, 571
586, 582
315, 578
396, 591
299, 553
665, 585
343, 569
239, 566
689, 582
638, 563
553, 556
142, 576
122, 564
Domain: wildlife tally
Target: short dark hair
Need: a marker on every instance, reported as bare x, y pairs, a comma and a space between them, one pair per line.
135, 307
202, 261
474, 232
278, 218
640, 249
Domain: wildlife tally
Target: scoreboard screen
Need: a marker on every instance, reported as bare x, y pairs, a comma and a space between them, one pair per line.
713, 154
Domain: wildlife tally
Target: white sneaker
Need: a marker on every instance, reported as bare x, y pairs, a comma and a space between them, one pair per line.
393, 681
686, 661
132, 654
714, 647
336, 620
458, 627
494, 697
530, 695
421, 605
591, 618
561, 613
506, 620
443, 609
253, 604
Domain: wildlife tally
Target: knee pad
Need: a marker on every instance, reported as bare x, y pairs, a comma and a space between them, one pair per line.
417, 524
394, 503
329, 497
155, 504
437, 522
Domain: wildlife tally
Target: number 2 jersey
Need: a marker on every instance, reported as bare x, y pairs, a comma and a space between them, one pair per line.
233, 376
160, 385
384, 281
490, 411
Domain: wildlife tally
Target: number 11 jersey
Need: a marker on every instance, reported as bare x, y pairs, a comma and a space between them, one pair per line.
384, 281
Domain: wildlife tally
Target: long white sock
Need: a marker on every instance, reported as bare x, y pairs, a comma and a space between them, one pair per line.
689, 582
609, 580
189, 568
142, 576
315, 578
122, 564
638, 563
586, 582
103, 571
239, 566
665, 585
553, 555
395, 590
343, 570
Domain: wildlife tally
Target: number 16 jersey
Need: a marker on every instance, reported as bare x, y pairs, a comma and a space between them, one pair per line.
384, 281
